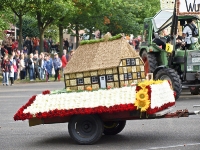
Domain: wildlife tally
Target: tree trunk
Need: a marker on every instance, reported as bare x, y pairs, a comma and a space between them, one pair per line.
100, 34
90, 34
20, 44
41, 36
61, 40
77, 36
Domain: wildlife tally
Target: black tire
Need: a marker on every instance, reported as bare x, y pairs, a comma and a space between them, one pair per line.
194, 90
173, 77
85, 129
113, 127
150, 62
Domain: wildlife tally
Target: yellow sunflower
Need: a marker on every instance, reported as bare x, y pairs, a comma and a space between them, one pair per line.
143, 105
142, 94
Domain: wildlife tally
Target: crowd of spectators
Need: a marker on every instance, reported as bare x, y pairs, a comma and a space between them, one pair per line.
29, 63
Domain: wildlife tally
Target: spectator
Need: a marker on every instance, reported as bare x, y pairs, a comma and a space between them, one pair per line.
11, 75
22, 67
48, 66
41, 65
66, 44
25, 50
36, 53
31, 67
27, 43
26, 64
5, 66
70, 45
36, 63
45, 45
17, 64
36, 44
15, 69
64, 60
50, 42
3, 51
57, 65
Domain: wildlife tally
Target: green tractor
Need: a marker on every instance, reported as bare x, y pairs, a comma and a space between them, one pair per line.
180, 66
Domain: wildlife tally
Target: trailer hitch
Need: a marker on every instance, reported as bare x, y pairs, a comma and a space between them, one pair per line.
177, 114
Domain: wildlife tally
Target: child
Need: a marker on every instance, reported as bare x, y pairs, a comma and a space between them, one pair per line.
15, 70
11, 75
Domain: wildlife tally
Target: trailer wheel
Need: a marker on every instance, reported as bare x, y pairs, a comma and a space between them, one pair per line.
172, 76
194, 90
113, 127
85, 129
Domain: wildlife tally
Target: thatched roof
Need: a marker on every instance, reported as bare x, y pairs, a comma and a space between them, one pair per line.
100, 55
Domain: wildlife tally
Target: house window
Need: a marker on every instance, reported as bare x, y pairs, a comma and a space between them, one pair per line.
94, 79
133, 63
110, 78
129, 75
128, 62
125, 76
80, 81
138, 75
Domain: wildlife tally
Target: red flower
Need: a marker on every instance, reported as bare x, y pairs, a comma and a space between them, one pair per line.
138, 88
46, 92
174, 93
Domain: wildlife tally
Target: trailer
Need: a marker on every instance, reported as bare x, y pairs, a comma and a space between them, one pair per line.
91, 113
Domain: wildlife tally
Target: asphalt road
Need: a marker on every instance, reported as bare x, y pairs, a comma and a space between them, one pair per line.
156, 134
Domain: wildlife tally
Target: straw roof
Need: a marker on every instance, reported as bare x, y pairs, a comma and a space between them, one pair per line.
100, 55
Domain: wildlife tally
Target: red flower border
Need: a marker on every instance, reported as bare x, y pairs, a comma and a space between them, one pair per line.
83, 111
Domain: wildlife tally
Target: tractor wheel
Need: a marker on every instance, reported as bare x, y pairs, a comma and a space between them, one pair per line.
85, 129
172, 76
195, 90
113, 127
150, 62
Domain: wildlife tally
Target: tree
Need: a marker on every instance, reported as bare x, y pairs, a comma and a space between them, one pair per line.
48, 12
19, 8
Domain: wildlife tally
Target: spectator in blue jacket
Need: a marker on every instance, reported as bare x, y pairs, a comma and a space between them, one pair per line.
48, 65
57, 64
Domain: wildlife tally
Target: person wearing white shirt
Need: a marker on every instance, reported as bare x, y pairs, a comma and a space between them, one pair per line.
187, 34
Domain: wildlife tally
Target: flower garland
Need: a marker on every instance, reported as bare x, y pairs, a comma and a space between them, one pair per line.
146, 97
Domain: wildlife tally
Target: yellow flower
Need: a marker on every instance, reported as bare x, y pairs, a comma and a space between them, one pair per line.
142, 104
158, 81
142, 94
143, 84
142, 100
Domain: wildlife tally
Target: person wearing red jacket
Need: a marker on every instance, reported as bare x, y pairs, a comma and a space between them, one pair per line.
64, 61
5, 67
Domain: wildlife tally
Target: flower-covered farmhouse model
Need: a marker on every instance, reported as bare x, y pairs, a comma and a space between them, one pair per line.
104, 64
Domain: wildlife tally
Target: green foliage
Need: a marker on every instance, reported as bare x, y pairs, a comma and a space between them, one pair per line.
100, 40
51, 31
114, 16
29, 27
6, 18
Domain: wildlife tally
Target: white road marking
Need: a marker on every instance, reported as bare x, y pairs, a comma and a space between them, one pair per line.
173, 146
